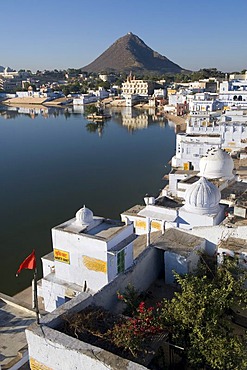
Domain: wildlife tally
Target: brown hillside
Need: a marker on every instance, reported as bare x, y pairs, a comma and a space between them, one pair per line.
130, 53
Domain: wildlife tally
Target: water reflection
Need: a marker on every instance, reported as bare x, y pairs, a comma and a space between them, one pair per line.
96, 127
138, 119
10, 112
131, 118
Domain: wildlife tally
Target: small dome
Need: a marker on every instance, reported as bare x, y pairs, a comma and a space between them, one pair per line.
84, 216
202, 197
216, 164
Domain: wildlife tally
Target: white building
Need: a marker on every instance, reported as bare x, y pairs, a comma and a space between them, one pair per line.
177, 98
233, 93
238, 76
107, 77
85, 99
205, 101
159, 93
131, 99
139, 87
101, 93
88, 253
201, 208
231, 128
193, 199
206, 130
91, 97
190, 148
9, 73
201, 101
216, 164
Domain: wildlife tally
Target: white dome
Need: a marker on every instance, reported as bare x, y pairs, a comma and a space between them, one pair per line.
216, 164
84, 216
202, 197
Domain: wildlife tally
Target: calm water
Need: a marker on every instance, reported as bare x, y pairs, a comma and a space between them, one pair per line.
52, 163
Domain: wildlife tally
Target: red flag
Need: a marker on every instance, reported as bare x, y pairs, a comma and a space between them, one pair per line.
28, 263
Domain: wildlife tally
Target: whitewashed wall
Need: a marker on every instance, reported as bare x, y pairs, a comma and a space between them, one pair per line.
58, 351
217, 233
79, 246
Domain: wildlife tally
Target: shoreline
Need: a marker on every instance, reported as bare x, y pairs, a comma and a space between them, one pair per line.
177, 120
34, 101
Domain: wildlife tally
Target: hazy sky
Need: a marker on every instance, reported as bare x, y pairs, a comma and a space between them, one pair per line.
49, 34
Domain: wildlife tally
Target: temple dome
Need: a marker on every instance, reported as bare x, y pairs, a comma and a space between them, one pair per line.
216, 164
84, 216
202, 197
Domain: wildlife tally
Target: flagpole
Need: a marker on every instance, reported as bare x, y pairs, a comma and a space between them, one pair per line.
35, 295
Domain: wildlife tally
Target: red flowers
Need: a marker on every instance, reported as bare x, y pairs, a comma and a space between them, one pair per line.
141, 307
145, 322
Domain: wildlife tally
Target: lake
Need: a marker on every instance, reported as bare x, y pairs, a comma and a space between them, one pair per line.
53, 161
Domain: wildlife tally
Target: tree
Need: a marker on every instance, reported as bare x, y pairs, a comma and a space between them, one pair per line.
198, 318
206, 73
75, 87
27, 85
65, 89
105, 84
90, 109
201, 317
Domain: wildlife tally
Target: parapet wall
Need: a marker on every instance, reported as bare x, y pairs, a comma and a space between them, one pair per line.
51, 349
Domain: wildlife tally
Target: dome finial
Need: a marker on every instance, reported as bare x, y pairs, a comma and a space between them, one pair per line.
84, 216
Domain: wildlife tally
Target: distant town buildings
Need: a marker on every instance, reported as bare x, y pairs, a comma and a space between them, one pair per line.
139, 87
134, 90
9, 79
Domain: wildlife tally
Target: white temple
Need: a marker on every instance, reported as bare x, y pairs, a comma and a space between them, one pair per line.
88, 253
201, 206
190, 199
216, 164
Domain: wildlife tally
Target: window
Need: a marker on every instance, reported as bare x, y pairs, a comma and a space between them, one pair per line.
120, 261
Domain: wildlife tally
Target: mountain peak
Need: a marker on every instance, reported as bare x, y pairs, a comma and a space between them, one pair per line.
130, 53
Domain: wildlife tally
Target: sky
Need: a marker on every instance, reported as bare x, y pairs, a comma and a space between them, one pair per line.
60, 34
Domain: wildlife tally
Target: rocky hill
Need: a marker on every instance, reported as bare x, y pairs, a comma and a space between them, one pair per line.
130, 53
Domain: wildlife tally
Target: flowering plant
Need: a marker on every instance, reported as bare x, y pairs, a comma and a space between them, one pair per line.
134, 331
132, 298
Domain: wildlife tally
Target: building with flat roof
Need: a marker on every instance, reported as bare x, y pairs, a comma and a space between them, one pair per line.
88, 252
138, 87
